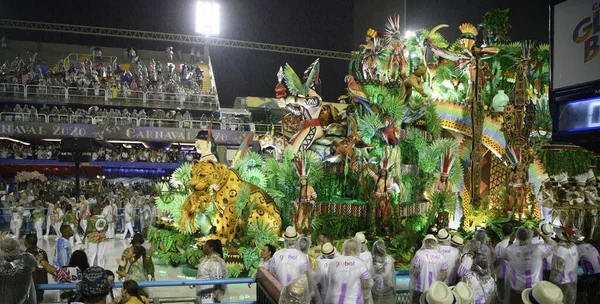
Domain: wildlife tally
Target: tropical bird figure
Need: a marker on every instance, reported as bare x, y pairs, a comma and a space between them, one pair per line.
357, 94
311, 79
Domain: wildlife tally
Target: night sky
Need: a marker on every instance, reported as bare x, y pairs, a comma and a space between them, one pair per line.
323, 24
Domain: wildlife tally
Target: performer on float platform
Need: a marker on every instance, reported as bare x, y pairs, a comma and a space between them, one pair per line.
306, 197
383, 187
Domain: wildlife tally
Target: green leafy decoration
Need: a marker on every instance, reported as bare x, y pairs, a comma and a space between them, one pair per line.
234, 271
572, 161
433, 121
369, 125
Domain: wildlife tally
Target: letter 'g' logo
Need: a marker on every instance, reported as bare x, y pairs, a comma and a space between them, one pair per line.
588, 32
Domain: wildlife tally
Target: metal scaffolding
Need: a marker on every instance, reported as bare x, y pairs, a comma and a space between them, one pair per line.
167, 37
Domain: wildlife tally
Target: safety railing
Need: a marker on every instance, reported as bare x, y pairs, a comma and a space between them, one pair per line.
161, 299
44, 91
109, 95
23, 117
76, 57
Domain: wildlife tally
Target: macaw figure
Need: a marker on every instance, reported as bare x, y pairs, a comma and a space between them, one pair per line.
390, 133
357, 94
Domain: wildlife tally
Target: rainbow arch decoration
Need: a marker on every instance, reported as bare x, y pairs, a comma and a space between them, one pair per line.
457, 118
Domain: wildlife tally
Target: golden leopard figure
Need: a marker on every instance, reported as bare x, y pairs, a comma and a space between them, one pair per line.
225, 184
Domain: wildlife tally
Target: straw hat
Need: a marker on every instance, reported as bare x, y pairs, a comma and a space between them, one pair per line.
429, 237
360, 237
443, 235
544, 292
457, 241
546, 228
328, 249
438, 293
290, 234
463, 293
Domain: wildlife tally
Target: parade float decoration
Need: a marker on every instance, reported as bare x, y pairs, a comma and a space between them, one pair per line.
436, 134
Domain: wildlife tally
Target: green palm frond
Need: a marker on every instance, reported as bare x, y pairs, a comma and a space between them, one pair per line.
181, 176
393, 106
368, 125
255, 176
433, 121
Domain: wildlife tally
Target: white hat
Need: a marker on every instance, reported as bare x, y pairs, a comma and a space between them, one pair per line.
543, 178
430, 237
463, 293
546, 228
438, 293
544, 292
360, 237
590, 175
290, 234
443, 235
581, 179
457, 240
328, 249
561, 178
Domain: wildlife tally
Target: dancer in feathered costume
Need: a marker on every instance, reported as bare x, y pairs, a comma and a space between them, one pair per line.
383, 188
307, 197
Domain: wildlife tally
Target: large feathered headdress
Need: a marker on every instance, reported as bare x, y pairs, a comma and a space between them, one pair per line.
301, 167
468, 31
447, 160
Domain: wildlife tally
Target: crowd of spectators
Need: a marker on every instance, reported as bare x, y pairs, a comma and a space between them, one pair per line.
95, 77
119, 153
97, 115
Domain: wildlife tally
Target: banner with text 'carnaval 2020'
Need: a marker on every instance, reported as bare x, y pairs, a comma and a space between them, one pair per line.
24, 130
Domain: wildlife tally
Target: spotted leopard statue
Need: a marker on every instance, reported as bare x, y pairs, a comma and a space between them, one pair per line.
223, 184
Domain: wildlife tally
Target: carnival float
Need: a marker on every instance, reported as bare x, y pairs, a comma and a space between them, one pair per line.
435, 134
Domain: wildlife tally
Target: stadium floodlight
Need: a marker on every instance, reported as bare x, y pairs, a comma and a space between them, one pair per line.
207, 18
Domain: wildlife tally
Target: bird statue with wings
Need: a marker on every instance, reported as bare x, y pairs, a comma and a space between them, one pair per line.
304, 102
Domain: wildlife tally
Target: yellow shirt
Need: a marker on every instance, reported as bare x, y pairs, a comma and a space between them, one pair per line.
135, 300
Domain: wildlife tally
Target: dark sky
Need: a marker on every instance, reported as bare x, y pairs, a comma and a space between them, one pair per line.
324, 24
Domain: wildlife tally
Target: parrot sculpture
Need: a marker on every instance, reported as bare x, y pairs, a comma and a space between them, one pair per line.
296, 86
357, 94
390, 133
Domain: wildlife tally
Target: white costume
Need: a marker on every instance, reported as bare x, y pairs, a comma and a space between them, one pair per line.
211, 267
452, 256
384, 276
564, 270
524, 264
49, 219
16, 221
427, 266
288, 264
107, 213
323, 266
344, 276
590, 259
129, 218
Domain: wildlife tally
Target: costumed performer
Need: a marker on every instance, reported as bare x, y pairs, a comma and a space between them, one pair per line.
383, 188
306, 199
96, 232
